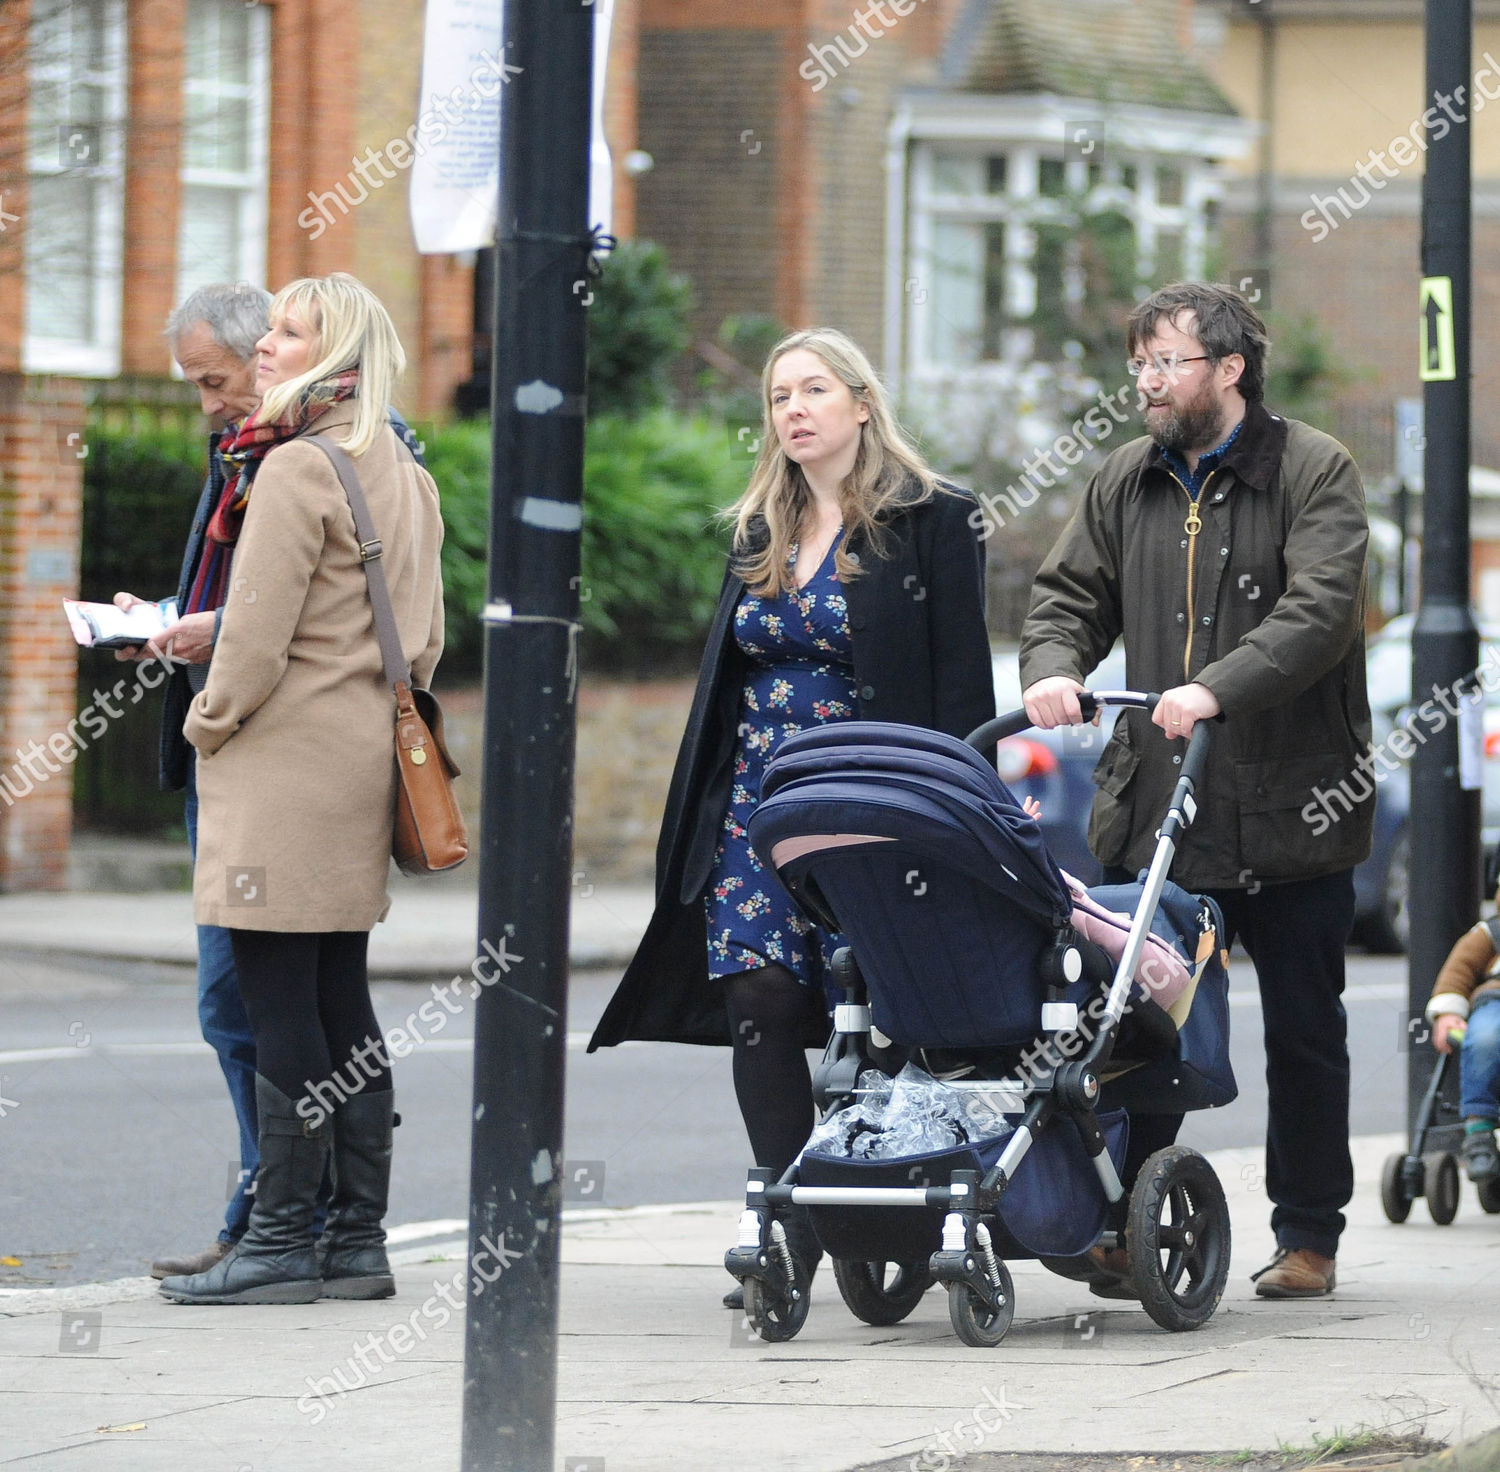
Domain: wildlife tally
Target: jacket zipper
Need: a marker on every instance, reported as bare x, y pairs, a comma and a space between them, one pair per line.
1192, 525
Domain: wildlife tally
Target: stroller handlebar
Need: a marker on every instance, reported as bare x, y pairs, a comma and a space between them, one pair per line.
1197, 754
1090, 702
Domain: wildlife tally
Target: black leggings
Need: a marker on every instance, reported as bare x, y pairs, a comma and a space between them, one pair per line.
769, 1011
307, 994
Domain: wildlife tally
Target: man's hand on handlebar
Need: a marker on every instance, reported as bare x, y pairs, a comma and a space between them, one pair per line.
1181, 708
1054, 702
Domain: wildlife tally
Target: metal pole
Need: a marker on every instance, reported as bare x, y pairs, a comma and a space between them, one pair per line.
1265, 187
1403, 525
530, 672
1445, 865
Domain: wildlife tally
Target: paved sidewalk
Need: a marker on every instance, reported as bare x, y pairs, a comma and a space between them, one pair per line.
430, 932
653, 1375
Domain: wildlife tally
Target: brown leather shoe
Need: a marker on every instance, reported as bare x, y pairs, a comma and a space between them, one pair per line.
1111, 1278
1295, 1273
197, 1262
1106, 1270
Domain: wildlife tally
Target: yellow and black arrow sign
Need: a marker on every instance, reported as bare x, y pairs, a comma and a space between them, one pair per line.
1439, 363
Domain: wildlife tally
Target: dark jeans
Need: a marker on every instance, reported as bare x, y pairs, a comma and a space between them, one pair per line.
1479, 1062
226, 1029
1295, 935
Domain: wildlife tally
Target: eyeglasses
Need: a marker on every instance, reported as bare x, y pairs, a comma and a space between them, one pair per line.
1169, 366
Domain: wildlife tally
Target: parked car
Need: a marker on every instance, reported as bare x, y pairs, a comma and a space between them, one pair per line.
1389, 678
1057, 768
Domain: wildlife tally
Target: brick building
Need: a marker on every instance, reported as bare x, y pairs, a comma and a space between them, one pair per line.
1330, 201
901, 171
897, 169
906, 169
146, 147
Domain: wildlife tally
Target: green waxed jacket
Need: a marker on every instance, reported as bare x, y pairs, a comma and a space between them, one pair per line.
1265, 606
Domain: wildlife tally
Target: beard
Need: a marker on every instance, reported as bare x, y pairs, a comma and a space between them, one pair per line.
1197, 425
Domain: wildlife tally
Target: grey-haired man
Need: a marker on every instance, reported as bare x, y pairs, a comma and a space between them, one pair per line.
213, 336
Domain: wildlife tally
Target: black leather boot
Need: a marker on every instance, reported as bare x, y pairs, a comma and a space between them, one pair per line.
351, 1251
275, 1261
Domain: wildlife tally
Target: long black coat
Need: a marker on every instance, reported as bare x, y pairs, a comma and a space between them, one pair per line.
921, 656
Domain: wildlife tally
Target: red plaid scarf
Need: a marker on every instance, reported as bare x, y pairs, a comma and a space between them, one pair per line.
244, 447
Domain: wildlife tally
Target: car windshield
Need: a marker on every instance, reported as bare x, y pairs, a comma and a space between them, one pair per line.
1388, 667
1007, 662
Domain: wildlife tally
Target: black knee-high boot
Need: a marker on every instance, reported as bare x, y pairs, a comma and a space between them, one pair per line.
275, 1261
351, 1250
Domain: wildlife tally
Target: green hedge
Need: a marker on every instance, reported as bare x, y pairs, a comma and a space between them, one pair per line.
653, 551
458, 458
140, 486
639, 328
141, 481
652, 546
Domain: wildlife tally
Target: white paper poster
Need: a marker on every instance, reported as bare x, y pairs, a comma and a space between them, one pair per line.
455, 176
601, 167
455, 142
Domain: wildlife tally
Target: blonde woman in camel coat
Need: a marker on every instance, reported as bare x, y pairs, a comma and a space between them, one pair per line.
294, 733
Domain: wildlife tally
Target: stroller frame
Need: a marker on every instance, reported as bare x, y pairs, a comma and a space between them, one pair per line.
1430, 1167
980, 1292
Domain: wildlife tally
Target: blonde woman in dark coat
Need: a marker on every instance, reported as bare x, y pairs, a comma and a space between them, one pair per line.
855, 589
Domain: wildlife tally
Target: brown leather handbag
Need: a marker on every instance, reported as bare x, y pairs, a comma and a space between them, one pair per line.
429, 835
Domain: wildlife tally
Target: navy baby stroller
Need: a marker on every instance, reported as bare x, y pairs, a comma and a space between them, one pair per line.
963, 959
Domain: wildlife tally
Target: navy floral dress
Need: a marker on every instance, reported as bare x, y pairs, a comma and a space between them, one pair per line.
801, 674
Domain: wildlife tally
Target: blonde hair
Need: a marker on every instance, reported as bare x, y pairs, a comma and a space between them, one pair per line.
889, 473
351, 330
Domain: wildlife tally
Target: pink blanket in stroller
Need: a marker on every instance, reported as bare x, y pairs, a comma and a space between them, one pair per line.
1162, 973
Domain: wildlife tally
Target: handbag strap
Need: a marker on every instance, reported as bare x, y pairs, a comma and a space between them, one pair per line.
397, 671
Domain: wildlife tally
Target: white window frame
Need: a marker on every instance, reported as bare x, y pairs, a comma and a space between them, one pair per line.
249, 183
1026, 129
99, 358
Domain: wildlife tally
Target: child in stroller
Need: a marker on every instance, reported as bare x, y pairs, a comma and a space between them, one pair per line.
964, 957
1462, 1006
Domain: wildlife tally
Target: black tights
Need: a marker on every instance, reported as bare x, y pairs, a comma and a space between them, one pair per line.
769, 1011
307, 995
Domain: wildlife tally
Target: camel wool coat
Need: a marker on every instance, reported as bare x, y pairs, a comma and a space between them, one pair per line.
295, 729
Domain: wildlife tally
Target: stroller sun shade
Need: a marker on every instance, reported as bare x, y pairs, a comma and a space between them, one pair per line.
879, 780
929, 864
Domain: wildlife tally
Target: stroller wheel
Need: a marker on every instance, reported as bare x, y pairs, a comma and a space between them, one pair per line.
774, 1318
974, 1321
1393, 1197
1440, 1185
1178, 1238
877, 1298
1489, 1196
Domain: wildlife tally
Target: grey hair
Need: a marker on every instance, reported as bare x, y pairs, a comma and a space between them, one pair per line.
236, 313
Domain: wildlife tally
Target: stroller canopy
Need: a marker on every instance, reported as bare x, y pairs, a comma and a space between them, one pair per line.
917, 852
925, 790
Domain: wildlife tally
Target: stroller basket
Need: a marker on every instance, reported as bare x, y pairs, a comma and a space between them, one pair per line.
1053, 1208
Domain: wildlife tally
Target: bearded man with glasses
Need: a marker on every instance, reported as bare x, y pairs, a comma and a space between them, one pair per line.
1227, 548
